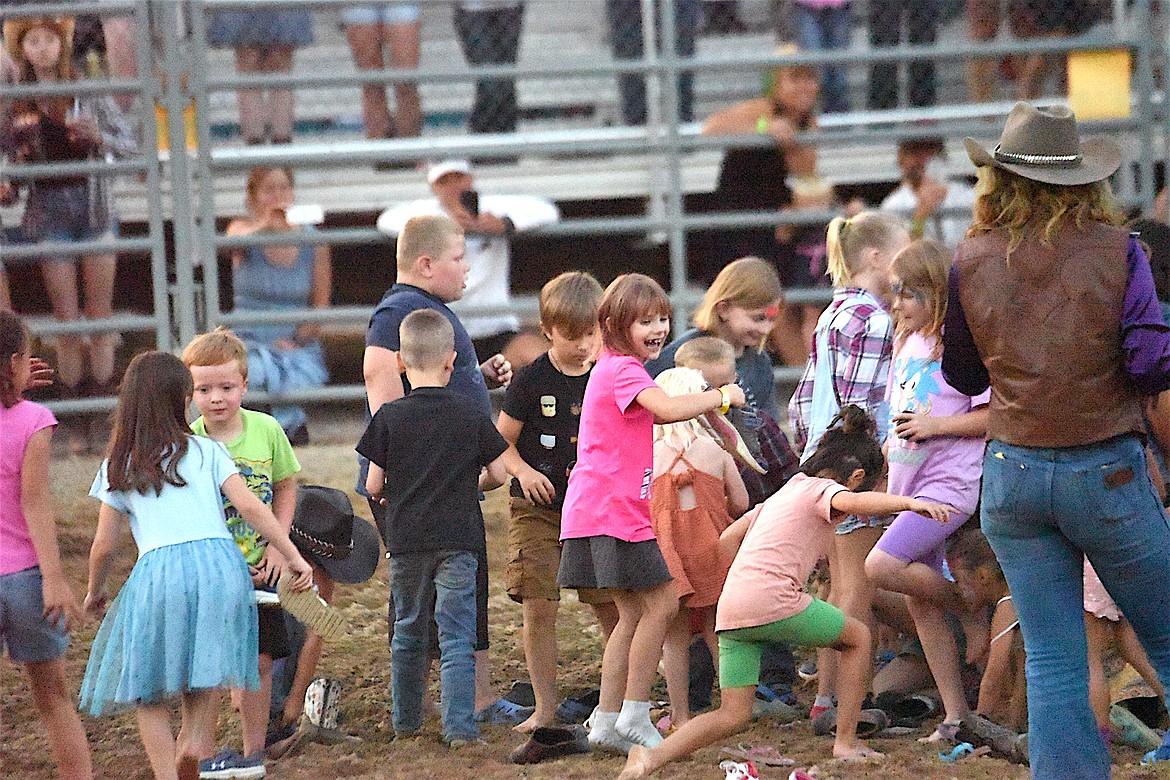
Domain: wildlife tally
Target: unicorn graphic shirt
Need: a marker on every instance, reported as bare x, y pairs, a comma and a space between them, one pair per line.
943, 468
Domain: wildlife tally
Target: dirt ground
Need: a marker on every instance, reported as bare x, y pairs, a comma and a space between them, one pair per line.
361, 662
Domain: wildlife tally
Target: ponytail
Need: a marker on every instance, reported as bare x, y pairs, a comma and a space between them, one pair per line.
847, 239
849, 444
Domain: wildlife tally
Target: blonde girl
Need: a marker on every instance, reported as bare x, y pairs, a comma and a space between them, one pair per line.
935, 452
605, 522
695, 494
850, 364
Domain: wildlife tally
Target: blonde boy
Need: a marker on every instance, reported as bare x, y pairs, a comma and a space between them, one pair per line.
265, 459
713, 358
432, 272
540, 418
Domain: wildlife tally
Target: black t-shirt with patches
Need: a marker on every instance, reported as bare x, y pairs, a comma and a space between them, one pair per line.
548, 405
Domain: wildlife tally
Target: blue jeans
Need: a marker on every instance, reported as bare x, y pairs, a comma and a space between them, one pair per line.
446, 579
279, 370
818, 29
625, 29
1044, 510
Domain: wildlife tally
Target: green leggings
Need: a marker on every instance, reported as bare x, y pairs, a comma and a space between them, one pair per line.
819, 625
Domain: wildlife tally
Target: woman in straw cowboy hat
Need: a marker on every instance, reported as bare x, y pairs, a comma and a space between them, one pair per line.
1053, 306
73, 207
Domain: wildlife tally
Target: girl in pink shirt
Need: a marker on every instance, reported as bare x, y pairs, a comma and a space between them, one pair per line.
37, 605
608, 541
776, 546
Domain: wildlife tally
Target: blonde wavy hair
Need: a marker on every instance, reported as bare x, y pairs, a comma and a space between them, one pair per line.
749, 282
923, 267
1010, 202
680, 381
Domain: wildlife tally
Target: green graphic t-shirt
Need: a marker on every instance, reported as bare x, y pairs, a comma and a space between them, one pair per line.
263, 457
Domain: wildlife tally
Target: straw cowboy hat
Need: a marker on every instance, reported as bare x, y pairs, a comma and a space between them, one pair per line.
1042, 144
327, 532
16, 29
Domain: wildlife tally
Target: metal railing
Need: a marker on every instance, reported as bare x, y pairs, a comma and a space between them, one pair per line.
175, 70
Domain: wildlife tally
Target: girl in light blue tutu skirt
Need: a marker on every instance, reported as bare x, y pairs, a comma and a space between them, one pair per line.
184, 623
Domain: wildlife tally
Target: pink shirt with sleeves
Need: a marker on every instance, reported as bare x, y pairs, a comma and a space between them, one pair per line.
792, 531
17, 425
609, 488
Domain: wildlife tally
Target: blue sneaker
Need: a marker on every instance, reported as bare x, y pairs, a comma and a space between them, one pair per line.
1157, 756
228, 764
503, 711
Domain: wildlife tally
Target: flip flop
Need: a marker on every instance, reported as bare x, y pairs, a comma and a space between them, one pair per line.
765, 755
964, 751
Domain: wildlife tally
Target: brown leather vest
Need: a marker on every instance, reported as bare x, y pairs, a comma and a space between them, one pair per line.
1047, 324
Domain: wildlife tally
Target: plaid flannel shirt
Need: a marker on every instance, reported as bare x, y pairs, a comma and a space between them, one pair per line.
861, 340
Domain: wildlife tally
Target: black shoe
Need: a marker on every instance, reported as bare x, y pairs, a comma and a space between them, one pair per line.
298, 436
549, 742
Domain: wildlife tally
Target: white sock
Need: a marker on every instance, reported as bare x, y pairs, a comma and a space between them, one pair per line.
823, 701
633, 723
603, 732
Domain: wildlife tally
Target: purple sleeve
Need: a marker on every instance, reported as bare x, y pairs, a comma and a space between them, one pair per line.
961, 364
1144, 335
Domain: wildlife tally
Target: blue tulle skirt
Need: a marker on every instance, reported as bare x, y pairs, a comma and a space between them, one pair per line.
184, 620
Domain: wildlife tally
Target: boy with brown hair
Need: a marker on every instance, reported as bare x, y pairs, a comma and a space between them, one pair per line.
432, 272
540, 417
219, 367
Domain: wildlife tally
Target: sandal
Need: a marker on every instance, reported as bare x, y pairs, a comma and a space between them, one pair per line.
306, 606
947, 731
765, 755
964, 751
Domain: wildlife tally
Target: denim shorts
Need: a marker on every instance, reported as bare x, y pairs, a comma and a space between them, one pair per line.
387, 14
23, 629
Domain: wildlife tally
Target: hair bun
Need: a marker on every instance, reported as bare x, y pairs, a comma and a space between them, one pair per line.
854, 420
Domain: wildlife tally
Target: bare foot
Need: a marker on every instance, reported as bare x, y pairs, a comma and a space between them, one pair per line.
534, 722
855, 752
947, 731
637, 765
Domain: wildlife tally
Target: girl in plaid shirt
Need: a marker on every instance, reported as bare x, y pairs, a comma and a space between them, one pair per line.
849, 364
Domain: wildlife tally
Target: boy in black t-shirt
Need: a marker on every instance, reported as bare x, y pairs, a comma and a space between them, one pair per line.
542, 409
426, 450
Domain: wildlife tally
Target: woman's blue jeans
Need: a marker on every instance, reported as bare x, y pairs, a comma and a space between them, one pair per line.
1043, 511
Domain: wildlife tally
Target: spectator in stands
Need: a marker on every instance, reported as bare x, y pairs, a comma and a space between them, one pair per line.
489, 222
67, 128
925, 191
264, 41
1026, 20
820, 25
721, 17
371, 29
625, 30
775, 177
282, 356
489, 33
886, 21
8, 75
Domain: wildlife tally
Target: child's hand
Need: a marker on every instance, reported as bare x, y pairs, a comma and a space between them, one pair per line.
736, 393
267, 571
915, 427
60, 603
497, 371
940, 512
301, 571
95, 601
536, 486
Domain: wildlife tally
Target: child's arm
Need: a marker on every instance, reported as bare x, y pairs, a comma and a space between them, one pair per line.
920, 427
536, 486
874, 503
732, 536
733, 487
382, 376
676, 408
260, 517
284, 504
37, 506
101, 556
995, 688
493, 475
376, 482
